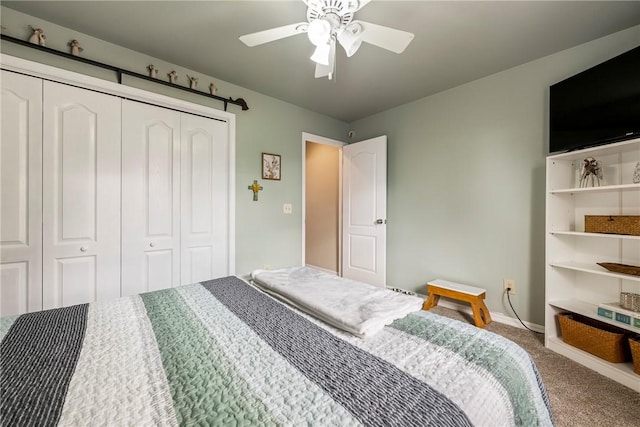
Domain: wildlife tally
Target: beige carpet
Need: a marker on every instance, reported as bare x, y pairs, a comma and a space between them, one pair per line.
578, 395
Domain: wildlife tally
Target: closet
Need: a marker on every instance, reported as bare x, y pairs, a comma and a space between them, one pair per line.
103, 196
174, 209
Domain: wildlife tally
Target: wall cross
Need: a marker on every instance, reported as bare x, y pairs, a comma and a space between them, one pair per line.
255, 187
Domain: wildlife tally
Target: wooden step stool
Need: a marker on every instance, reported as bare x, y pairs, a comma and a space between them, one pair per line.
474, 296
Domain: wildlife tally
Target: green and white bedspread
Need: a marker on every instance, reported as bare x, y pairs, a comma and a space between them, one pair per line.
223, 353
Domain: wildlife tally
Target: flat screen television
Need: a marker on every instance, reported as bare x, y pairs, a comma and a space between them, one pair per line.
598, 106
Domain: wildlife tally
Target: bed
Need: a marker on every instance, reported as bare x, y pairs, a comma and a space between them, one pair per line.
223, 352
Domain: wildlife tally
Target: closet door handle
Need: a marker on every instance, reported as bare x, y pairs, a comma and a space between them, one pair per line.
83, 249
152, 244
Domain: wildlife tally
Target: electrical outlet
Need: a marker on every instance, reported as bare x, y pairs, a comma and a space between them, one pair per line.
509, 284
287, 208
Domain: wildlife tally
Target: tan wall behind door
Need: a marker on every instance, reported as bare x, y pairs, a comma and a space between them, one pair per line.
322, 205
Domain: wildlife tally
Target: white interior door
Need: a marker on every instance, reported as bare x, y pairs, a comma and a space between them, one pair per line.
20, 195
81, 196
150, 198
204, 198
364, 189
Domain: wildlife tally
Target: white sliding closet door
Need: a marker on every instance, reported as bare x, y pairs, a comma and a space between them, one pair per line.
205, 190
21, 195
150, 198
81, 196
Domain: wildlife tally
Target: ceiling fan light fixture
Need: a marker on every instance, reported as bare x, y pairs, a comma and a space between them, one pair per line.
321, 54
330, 22
319, 32
350, 39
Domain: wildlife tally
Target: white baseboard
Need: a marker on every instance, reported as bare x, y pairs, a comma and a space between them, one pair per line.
495, 316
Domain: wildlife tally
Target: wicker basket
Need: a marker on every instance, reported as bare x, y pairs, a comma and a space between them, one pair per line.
620, 268
634, 343
612, 224
600, 339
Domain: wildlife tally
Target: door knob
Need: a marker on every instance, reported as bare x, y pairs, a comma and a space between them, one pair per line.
83, 249
152, 244
381, 221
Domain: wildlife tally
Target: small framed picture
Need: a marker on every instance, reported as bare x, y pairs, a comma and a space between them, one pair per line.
270, 166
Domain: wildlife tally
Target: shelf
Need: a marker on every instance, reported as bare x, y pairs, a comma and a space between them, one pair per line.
588, 310
604, 235
620, 372
121, 71
604, 188
622, 147
593, 269
579, 307
566, 242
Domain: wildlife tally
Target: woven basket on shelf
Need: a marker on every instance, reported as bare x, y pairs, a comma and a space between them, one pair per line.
620, 268
600, 339
634, 343
612, 224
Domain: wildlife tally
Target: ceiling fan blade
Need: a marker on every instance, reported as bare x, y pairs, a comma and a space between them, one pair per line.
266, 36
385, 37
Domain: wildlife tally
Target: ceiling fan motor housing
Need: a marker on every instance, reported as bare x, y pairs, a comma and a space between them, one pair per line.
338, 13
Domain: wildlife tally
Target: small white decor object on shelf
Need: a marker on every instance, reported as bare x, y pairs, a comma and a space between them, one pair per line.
75, 47
636, 174
173, 76
153, 71
590, 173
193, 82
213, 89
37, 36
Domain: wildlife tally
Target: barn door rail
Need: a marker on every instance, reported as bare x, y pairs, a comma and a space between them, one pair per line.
120, 72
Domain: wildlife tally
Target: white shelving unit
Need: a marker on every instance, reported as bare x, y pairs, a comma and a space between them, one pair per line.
574, 281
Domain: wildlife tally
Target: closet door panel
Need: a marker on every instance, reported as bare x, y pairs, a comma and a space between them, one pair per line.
150, 198
14, 295
160, 269
204, 207
81, 196
73, 274
20, 195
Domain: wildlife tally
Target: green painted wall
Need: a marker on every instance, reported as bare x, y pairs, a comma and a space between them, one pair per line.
264, 235
466, 178
466, 174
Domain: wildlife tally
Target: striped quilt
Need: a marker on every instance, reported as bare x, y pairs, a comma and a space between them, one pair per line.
223, 353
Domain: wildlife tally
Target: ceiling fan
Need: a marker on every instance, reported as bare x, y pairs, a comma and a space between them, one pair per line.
331, 20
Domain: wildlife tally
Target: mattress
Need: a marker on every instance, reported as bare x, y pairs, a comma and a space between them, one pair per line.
224, 353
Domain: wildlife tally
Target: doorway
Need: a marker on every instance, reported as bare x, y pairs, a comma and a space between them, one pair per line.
322, 203
356, 189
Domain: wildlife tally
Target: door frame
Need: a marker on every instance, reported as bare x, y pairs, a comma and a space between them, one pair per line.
326, 141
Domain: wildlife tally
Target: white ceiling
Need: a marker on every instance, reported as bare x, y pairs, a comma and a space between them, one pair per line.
455, 42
